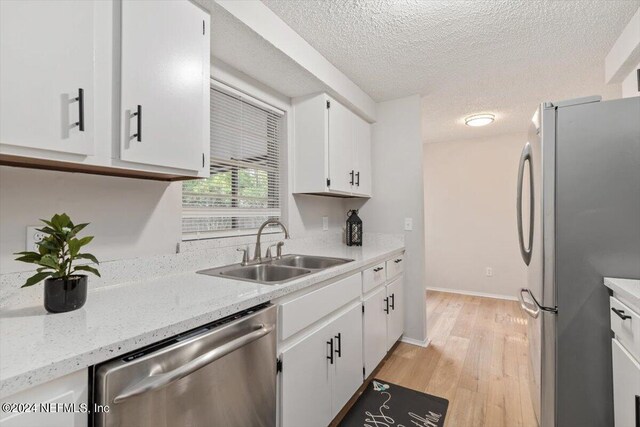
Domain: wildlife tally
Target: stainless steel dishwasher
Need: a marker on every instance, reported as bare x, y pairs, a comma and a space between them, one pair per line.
222, 374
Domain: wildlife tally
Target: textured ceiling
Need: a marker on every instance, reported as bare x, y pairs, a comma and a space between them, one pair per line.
466, 57
239, 46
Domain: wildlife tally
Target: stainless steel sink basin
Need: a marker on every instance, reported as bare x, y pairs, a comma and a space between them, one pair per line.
310, 261
265, 273
277, 271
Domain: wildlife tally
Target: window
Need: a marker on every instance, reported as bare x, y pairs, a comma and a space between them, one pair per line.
244, 187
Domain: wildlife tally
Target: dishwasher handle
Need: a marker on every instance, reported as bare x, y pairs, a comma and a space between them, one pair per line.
155, 382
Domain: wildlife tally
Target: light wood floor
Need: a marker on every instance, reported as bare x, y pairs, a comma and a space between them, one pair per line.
477, 359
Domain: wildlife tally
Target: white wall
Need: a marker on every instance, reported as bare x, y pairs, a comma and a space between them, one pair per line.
398, 194
630, 83
624, 53
129, 217
470, 193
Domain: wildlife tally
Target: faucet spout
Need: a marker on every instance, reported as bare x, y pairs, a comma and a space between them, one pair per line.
257, 256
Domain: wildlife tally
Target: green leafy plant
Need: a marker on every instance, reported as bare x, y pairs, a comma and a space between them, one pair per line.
58, 251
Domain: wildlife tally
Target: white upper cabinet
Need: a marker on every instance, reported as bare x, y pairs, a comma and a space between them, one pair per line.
341, 146
362, 154
332, 149
47, 75
165, 79
109, 87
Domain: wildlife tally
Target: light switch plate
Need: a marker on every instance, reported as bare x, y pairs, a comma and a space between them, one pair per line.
489, 272
408, 224
325, 223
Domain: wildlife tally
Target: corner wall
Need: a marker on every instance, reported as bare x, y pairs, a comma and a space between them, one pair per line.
470, 210
398, 194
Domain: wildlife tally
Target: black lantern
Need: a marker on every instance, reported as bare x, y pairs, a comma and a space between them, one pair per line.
354, 228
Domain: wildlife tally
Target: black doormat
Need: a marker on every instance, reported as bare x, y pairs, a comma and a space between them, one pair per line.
386, 404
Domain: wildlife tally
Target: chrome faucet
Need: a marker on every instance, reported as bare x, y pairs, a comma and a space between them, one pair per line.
257, 256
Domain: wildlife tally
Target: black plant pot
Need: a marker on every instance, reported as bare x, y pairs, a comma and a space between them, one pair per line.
62, 295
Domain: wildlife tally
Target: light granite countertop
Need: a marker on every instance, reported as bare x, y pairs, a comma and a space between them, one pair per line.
628, 288
37, 347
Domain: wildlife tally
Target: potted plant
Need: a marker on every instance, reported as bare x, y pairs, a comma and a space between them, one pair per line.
64, 289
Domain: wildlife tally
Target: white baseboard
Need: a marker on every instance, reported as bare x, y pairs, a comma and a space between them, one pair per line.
475, 294
423, 343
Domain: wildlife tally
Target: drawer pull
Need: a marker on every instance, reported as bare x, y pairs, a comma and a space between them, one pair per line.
398, 260
620, 313
375, 270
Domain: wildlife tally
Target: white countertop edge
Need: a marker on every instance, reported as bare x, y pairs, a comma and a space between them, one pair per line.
35, 375
627, 288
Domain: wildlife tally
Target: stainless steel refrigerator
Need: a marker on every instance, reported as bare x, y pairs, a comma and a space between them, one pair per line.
578, 218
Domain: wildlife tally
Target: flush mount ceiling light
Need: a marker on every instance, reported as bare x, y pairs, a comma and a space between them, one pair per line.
479, 120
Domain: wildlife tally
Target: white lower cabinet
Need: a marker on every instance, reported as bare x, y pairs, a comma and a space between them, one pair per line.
383, 322
322, 371
626, 386
306, 381
347, 367
70, 391
395, 316
375, 329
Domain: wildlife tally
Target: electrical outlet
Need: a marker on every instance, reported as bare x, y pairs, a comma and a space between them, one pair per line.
33, 236
325, 223
489, 272
408, 224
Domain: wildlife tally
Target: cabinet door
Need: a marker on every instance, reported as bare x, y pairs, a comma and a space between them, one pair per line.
395, 318
340, 147
375, 329
347, 369
46, 56
165, 61
68, 390
626, 386
306, 382
362, 155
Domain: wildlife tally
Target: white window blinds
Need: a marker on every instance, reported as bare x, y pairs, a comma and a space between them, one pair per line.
244, 187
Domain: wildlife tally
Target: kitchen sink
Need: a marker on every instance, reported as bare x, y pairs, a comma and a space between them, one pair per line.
276, 271
310, 261
265, 273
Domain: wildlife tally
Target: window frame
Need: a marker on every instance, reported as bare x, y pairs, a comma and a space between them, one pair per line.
271, 183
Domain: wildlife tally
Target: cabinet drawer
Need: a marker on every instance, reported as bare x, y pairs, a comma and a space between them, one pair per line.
373, 277
299, 313
626, 386
395, 266
627, 330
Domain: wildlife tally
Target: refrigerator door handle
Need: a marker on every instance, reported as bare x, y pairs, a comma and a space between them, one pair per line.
524, 157
531, 309
534, 309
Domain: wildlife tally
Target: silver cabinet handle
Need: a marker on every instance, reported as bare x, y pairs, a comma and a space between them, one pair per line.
534, 309
524, 157
155, 382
